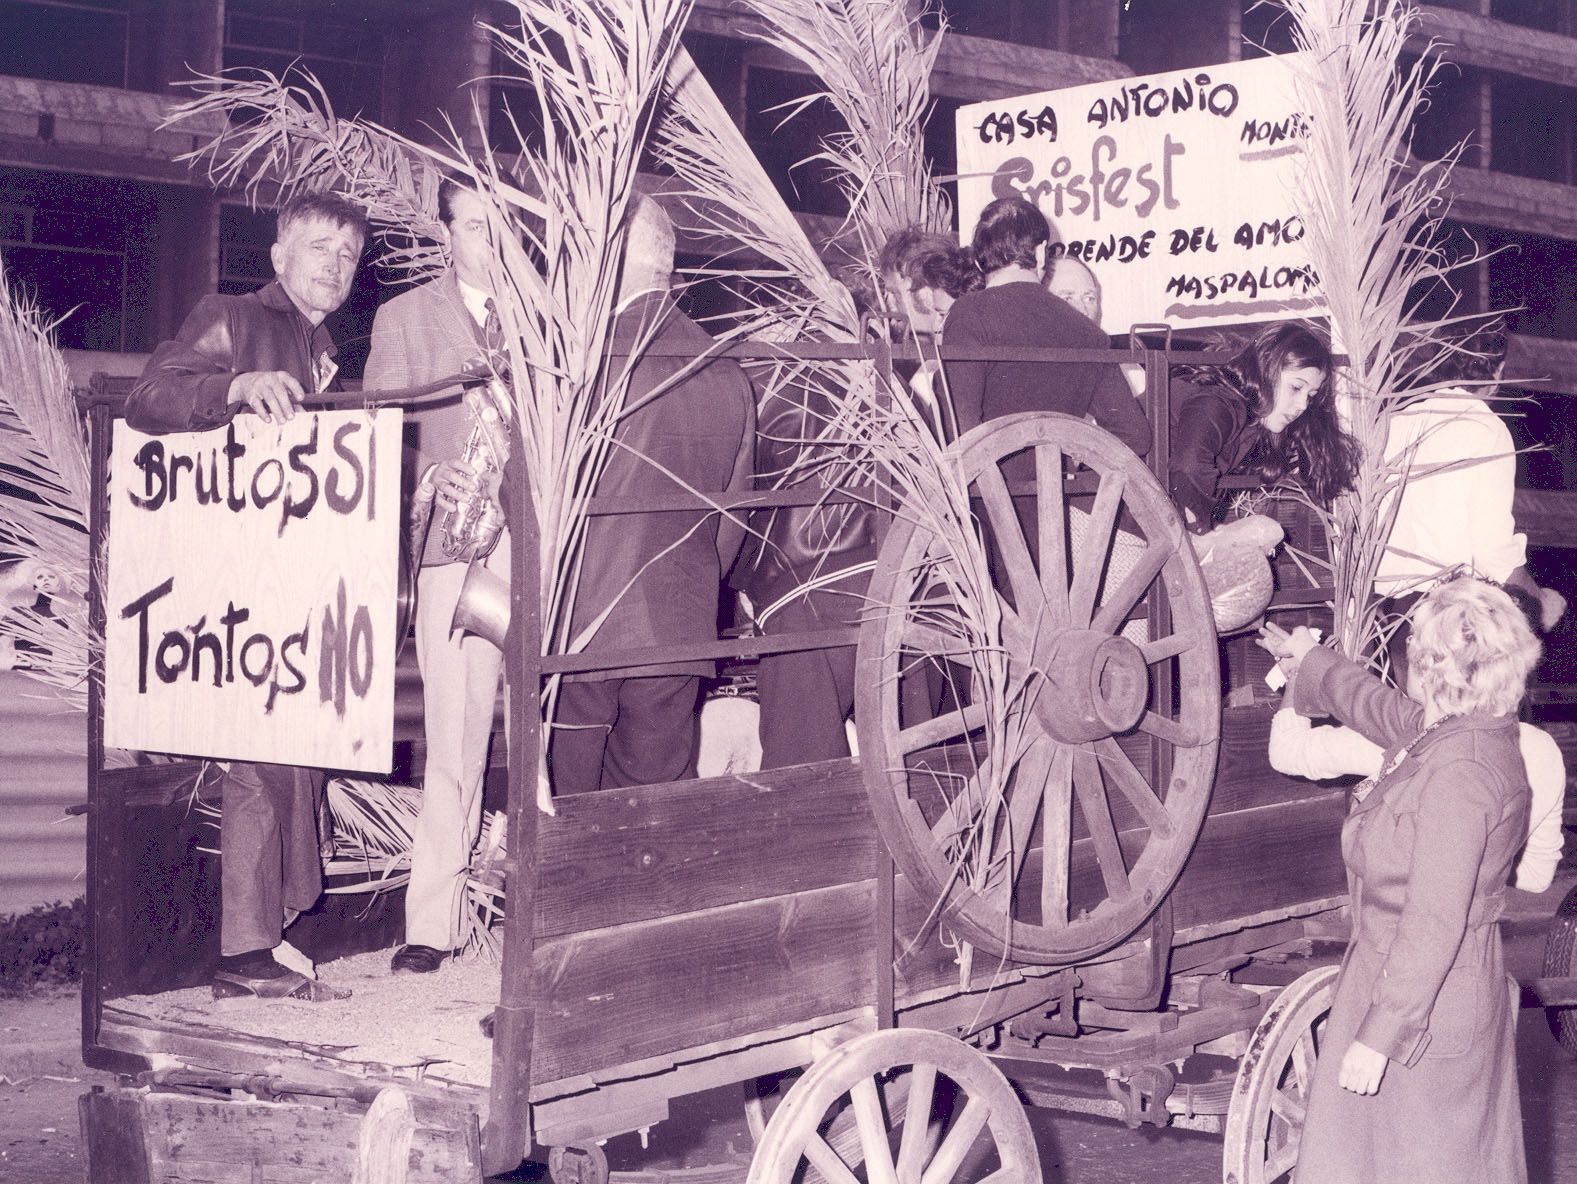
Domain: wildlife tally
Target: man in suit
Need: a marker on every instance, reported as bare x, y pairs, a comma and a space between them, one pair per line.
266, 351
687, 425
419, 336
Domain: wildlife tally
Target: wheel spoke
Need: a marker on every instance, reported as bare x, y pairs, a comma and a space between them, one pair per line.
1098, 818
950, 1155
1288, 1108
1281, 1162
948, 726
915, 1142
1122, 599
1095, 548
1056, 841
1009, 536
879, 1168
928, 640
1052, 529
1166, 647
1028, 788
1169, 730
1304, 1055
970, 811
1119, 768
825, 1160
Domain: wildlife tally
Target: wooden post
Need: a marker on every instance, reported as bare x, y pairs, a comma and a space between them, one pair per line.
383, 1152
507, 1135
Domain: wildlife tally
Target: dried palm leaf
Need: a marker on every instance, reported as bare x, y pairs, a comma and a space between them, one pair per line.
1372, 214
44, 499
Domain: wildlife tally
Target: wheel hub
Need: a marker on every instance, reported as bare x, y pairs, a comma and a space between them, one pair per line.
1096, 685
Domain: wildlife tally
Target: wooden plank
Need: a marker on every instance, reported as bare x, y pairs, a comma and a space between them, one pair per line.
1244, 778
1254, 861
192, 1140
1547, 517
618, 995
112, 1138
307, 1068
620, 857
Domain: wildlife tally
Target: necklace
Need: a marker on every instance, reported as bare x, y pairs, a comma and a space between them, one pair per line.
1366, 786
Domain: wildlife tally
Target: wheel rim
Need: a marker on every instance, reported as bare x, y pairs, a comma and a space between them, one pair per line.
1271, 1094
1107, 705
981, 1135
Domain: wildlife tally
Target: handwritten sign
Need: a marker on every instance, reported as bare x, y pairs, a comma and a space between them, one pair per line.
250, 600
1173, 189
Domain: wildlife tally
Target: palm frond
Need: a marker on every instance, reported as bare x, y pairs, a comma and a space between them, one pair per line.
1372, 215
44, 499
280, 135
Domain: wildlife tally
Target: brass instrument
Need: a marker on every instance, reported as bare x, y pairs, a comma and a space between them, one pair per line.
470, 530
483, 607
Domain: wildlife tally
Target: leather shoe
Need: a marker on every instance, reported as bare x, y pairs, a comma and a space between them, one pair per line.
288, 987
417, 959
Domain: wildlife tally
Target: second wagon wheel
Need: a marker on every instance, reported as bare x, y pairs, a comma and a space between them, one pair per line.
1271, 1093
955, 1119
1053, 814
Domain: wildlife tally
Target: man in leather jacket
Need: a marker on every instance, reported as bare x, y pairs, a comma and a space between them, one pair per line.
265, 351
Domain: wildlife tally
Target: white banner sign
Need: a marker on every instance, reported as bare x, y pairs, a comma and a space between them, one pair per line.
250, 602
1174, 189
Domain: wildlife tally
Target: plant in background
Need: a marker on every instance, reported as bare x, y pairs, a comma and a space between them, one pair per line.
1372, 215
42, 948
44, 496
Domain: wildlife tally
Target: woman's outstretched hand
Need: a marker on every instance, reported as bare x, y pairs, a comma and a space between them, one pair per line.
1287, 648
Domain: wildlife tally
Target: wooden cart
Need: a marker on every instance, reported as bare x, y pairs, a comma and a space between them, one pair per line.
1148, 888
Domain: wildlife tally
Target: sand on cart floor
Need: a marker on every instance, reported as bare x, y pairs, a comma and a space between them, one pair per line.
394, 1020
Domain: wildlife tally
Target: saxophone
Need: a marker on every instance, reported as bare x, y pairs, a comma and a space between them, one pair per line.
470, 531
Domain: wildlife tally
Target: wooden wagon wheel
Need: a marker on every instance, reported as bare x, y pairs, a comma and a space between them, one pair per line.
1560, 961
1103, 701
1271, 1094
958, 1120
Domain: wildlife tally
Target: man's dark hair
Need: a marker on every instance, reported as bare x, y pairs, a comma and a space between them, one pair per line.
1007, 234
320, 206
1477, 357
929, 260
448, 189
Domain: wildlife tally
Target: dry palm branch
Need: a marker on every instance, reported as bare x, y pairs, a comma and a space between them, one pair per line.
44, 497
870, 441
555, 212
1373, 215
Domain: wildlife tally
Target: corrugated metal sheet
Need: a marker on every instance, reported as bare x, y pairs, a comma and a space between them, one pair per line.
43, 770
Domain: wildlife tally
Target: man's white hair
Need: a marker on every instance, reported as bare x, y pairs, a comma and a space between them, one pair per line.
648, 247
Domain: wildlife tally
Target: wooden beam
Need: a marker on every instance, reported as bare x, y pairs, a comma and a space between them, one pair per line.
1488, 44
618, 858
970, 69
1252, 862
703, 977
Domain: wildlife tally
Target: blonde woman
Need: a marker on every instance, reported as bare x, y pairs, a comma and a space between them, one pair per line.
1417, 1076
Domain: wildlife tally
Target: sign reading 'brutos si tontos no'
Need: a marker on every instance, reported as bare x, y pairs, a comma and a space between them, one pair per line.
250, 605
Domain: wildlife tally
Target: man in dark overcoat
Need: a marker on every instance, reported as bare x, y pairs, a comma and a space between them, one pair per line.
688, 426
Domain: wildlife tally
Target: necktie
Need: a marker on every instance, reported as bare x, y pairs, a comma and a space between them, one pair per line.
492, 329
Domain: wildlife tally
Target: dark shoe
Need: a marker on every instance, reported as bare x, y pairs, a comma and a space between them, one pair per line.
486, 1024
417, 959
287, 987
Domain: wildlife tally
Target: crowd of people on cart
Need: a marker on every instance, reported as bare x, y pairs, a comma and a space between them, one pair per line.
1420, 1021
